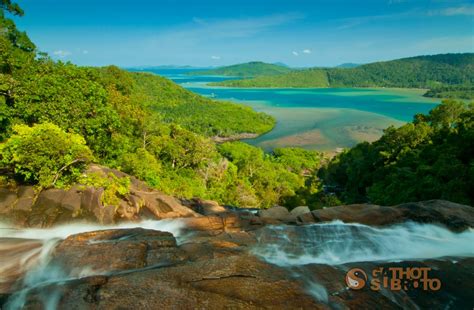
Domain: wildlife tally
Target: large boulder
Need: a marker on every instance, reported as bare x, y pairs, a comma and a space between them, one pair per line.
274, 215
299, 211
455, 216
118, 249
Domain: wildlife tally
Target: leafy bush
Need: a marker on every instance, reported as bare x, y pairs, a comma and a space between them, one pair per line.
44, 154
114, 187
142, 165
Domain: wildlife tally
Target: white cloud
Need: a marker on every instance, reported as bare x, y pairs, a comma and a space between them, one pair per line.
307, 51
215, 57
85, 52
61, 53
295, 53
454, 11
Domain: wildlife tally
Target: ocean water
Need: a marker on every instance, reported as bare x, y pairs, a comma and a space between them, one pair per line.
320, 119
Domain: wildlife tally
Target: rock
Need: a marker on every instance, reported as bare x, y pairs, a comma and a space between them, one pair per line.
234, 282
7, 199
47, 208
16, 257
26, 198
222, 223
455, 216
117, 250
72, 201
91, 202
58, 206
275, 213
205, 207
163, 206
299, 211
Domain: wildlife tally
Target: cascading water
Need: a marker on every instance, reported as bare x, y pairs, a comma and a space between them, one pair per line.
338, 243
297, 248
25, 254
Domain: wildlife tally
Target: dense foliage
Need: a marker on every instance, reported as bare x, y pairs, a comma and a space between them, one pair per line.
45, 154
250, 69
426, 159
452, 91
434, 72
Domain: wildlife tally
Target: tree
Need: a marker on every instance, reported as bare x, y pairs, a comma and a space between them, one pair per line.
13, 8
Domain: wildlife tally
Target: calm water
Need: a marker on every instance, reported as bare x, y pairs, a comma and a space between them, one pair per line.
321, 119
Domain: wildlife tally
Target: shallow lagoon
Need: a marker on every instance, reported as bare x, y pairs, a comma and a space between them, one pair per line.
321, 119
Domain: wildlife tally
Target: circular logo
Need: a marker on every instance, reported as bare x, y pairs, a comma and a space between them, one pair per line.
356, 278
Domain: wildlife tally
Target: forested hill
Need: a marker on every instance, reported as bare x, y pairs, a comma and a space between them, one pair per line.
432, 72
250, 69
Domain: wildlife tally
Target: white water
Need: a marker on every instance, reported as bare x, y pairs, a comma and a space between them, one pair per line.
338, 243
173, 226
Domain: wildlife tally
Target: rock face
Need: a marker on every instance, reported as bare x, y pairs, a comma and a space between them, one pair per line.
455, 216
23, 206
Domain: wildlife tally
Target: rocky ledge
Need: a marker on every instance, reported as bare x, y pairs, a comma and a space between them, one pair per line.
214, 266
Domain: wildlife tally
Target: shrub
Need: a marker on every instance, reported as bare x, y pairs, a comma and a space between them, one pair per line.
45, 154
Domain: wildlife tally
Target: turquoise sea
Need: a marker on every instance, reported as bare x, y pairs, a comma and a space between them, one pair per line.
321, 119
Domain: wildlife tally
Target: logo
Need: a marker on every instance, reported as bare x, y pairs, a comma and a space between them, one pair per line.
394, 279
356, 278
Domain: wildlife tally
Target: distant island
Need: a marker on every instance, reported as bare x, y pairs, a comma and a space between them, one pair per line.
445, 75
250, 69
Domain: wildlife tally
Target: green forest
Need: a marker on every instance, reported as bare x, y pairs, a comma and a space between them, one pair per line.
428, 158
447, 76
56, 118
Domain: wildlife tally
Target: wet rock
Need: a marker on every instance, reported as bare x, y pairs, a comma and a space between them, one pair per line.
236, 282
117, 250
455, 216
16, 257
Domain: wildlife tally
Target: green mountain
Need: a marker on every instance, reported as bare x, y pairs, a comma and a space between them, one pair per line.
415, 72
250, 69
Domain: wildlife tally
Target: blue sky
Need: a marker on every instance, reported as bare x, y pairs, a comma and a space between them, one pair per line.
213, 33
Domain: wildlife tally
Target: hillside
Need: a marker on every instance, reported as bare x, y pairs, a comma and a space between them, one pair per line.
250, 69
415, 72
